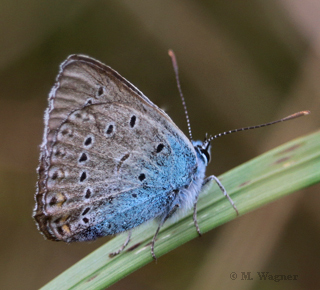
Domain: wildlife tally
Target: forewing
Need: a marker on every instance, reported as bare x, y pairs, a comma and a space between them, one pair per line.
110, 158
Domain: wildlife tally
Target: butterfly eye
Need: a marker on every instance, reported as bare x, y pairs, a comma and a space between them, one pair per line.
206, 154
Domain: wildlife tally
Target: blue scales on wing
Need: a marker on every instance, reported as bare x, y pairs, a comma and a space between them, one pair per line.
110, 159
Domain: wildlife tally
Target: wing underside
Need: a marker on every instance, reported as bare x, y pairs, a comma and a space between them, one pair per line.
110, 158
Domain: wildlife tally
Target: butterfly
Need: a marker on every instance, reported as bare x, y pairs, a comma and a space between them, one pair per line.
111, 160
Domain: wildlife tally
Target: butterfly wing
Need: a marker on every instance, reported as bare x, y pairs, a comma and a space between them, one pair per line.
110, 158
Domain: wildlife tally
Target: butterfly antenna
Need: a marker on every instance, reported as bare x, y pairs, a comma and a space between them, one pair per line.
176, 72
293, 116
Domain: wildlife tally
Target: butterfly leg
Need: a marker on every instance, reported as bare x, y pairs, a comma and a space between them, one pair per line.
174, 206
212, 177
123, 246
195, 217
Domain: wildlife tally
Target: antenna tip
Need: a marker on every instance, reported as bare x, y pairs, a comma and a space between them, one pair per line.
170, 52
296, 115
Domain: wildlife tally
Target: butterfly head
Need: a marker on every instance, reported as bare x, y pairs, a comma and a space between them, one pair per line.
203, 149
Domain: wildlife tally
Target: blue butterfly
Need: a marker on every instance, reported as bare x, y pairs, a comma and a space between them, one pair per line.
111, 159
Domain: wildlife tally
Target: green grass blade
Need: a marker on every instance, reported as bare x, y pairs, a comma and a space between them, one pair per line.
283, 170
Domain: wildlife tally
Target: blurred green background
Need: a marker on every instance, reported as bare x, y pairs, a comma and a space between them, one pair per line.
241, 63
